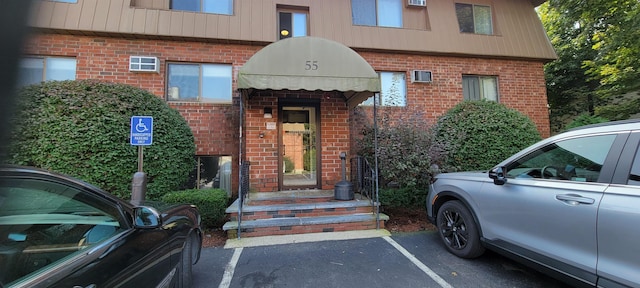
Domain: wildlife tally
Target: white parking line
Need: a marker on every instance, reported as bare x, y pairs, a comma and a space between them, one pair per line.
230, 269
417, 262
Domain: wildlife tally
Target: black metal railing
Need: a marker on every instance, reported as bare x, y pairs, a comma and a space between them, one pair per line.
363, 177
243, 190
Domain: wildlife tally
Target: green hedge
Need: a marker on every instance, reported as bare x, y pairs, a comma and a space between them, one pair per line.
403, 197
81, 128
476, 135
211, 203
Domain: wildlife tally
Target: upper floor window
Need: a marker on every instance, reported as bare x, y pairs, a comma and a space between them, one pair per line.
480, 87
385, 13
37, 69
474, 18
292, 23
207, 6
199, 82
393, 90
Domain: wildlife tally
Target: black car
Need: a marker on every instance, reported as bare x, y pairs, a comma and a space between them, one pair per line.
57, 231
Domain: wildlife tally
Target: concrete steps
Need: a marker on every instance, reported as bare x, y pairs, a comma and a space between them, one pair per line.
301, 212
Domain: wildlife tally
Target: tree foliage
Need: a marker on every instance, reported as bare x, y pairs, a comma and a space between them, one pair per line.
598, 47
81, 128
476, 135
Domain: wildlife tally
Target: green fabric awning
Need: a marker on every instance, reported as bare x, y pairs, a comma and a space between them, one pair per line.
310, 63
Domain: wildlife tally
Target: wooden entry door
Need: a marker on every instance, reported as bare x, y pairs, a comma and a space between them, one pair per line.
299, 148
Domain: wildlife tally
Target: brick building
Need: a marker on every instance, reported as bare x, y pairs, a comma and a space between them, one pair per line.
274, 83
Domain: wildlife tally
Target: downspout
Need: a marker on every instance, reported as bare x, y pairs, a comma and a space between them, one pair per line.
375, 153
240, 160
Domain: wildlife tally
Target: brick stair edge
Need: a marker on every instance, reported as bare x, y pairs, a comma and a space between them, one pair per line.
299, 221
233, 208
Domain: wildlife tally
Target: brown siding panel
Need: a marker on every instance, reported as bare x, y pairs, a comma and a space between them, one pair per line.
431, 30
73, 16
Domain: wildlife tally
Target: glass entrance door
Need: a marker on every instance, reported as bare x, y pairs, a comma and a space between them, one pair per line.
298, 148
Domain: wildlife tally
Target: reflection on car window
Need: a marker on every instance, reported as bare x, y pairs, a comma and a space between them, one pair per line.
43, 222
634, 176
578, 159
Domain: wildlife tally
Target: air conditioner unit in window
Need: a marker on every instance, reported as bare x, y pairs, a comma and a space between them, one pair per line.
421, 76
417, 3
144, 64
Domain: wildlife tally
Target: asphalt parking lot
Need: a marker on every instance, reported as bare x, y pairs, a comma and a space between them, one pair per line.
398, 260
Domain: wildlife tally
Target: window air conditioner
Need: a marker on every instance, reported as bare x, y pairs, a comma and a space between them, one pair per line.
421, 76
417, 3
144, 64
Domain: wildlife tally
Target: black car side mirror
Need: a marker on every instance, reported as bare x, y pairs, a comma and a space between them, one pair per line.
498, 174
146, 217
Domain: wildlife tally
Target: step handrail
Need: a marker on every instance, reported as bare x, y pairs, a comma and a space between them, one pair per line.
365, 183
243, 191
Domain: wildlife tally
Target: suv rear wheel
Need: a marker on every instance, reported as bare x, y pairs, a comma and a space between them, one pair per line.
458, 230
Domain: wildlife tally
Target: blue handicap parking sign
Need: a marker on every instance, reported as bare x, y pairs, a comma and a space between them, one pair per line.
141, 130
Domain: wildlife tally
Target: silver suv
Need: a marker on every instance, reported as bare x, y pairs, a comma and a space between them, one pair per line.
568, 205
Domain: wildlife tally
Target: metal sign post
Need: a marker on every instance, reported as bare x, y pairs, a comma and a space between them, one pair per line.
141, 135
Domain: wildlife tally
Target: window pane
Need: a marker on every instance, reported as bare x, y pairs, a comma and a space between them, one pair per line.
218, 6
390, 13
54, 221
464, 12
578, 159
489, 86
470, 88
482, 19
286, 25
60, 69
216, 83
186, 5
66, 1
183, 81
31, 71
299, 24
393, 88
634, 176
363, 12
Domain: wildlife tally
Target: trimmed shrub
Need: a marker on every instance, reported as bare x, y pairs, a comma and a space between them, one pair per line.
403, 197
476, 135
288, 164
585, 119
82, 128
211, 204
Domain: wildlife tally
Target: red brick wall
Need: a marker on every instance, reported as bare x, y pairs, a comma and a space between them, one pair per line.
215, 126
521, 84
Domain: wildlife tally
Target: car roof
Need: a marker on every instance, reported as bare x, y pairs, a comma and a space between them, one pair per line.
629, 124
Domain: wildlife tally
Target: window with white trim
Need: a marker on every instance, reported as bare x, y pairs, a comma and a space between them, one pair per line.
474, 18
384, 13
393, 90
480, 87
224, 7
199, 82
37, 69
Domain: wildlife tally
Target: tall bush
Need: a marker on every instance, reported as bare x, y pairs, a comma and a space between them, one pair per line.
476, 135
406, 149
81, 128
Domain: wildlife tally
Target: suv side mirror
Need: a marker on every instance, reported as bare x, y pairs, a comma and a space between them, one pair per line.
498, 174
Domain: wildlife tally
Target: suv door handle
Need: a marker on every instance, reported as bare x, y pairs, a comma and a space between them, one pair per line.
575, 199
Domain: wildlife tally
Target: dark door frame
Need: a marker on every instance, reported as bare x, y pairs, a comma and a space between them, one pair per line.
315, 103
